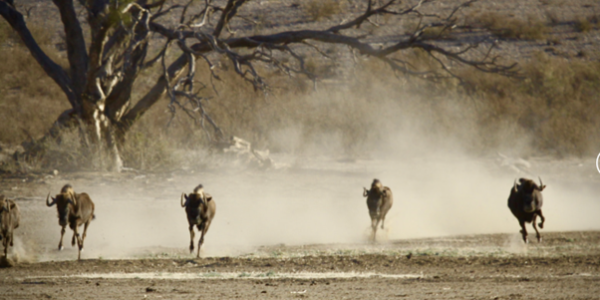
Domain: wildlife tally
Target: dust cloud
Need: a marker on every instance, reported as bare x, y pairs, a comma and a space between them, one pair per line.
314, 196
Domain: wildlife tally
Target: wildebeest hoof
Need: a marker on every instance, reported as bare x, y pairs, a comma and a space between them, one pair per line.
60, 248
6, 262
541, 225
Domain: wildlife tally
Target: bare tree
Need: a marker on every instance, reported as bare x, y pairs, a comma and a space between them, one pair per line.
104, 68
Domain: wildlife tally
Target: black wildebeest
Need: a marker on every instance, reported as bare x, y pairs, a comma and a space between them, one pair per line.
379, 202
200, 209
74, 209
525, 202
9, 221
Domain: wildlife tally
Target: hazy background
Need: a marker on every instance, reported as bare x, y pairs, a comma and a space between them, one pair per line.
313, 195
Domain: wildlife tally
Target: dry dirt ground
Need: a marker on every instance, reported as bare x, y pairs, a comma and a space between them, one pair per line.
119, 262
565, 266
150, 264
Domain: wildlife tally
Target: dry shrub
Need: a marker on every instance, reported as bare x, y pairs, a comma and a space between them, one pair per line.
149, 150
554, 111
511, 28
557, 105
436, 32
583, 25
320, 67
66, 153
320, 9
552, 16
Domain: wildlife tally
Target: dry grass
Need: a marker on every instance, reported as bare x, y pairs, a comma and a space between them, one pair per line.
556, 105
583, 25
321, 9
26, 90
511, 28
553, 111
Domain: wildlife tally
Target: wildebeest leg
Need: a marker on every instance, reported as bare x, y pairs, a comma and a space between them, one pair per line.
85, 227
537, 233
5, 244
543, 219
374, 223
203, 228
62, 233
79, 242
191, 238
523, 231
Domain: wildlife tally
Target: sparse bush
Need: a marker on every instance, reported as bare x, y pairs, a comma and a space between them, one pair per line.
436, 32
512, 28
552, 17
147, 150
319, 9
583, 25
556, 105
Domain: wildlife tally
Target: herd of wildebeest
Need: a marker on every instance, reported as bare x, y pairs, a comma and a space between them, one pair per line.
76, 209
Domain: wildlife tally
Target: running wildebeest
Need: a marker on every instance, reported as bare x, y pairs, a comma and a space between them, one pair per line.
200, 209
379, 202
74, 209
9, 221
525, 202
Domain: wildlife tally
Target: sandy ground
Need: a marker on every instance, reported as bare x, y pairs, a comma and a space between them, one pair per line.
565, 266
301, 231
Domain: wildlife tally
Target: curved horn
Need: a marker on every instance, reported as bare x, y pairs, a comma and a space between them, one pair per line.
542, 186
50, 203
366, 192
515, 186
182, 204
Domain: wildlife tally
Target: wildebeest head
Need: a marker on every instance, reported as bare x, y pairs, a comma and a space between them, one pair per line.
195, 199
376, 187
64, 202
530, 192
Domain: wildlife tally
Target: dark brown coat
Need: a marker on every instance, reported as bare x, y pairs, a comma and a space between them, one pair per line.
525, 202
75, 210
379, 202
10, 216
200, 209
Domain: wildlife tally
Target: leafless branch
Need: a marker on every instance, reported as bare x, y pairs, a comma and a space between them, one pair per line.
108, 67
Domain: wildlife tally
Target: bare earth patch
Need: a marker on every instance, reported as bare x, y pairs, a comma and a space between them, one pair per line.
565, 266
